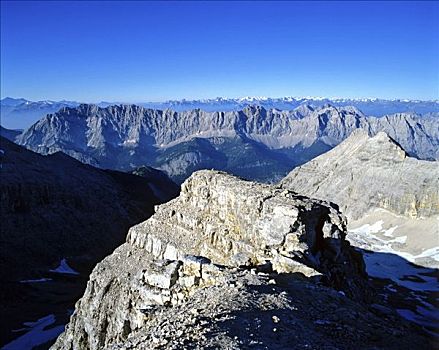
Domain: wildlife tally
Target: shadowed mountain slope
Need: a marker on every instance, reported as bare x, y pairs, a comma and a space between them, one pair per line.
54, 208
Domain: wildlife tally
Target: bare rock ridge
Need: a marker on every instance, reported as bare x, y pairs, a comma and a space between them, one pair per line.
224, 255
234, 222
254, 143
364, 173
391, 201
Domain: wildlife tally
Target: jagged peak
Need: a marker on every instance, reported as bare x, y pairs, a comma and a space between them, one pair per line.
306, 106
352, 109
254, 108
339, 110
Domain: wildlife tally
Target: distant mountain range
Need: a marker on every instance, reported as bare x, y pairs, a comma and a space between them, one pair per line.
18, 113
254, 143
21, 113
369, 106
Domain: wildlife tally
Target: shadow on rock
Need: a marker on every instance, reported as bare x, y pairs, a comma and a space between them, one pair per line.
408, 288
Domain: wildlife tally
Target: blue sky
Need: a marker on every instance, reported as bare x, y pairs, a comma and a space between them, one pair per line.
154, 51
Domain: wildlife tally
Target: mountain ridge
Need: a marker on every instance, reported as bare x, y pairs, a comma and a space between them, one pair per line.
21, 113
127, 136
391, 201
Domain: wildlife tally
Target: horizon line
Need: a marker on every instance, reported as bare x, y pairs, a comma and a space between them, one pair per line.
219, 98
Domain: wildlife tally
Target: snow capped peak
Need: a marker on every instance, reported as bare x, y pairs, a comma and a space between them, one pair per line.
253, 99
21, 113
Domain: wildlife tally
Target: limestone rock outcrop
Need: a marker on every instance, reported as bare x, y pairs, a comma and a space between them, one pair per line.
220, 227
238, 223
134, 301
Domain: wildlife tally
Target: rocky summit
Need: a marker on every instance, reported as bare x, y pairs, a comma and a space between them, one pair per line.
364, 173
234, 264
255, 143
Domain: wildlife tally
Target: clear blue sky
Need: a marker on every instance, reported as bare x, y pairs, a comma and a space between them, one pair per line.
154, 51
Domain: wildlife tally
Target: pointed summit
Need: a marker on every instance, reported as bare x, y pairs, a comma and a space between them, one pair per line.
360, 144
365, 172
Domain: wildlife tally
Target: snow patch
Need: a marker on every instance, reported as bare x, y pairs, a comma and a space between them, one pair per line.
400, 271
432, 253
389, 232
64, 268
36, 280
368, 229
401, 240
384, 259
37, 333
417, 318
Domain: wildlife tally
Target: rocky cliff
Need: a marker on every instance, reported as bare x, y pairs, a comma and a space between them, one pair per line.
232, 264
364, 173
21, 113
254, 143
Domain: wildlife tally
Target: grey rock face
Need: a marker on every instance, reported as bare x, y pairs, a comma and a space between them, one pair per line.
364, 173
219, 217
21, 113
391, 201
252, 143
133, 301
195, 242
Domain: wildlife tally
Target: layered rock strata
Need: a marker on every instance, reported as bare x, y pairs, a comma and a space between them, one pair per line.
219, 228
